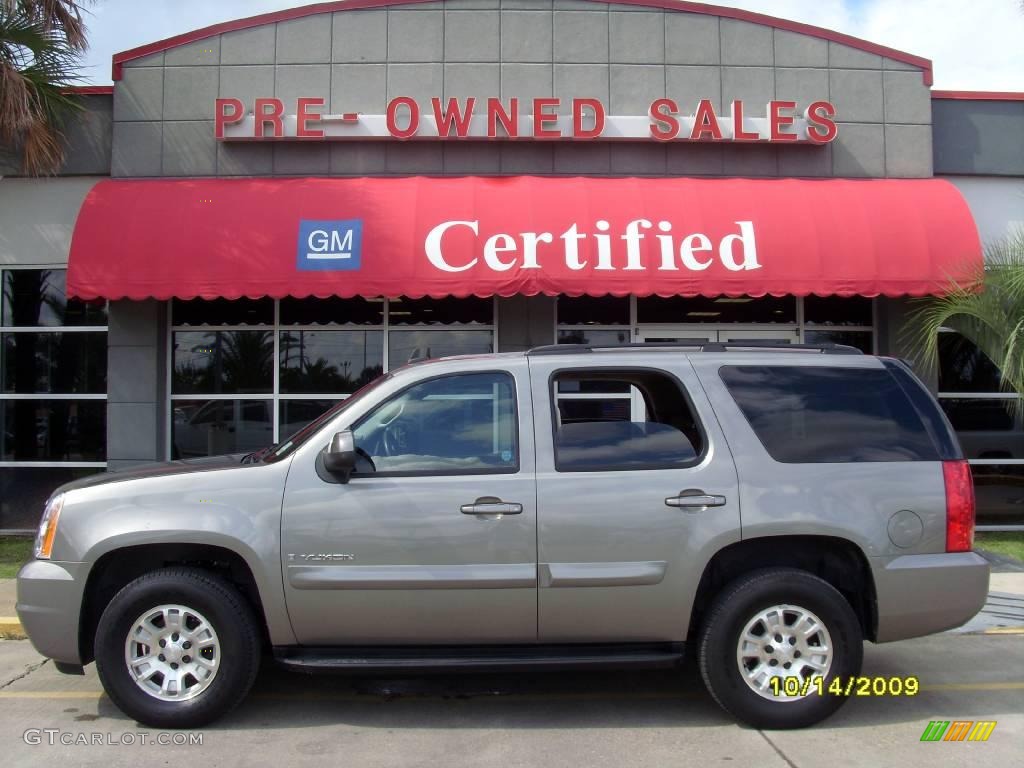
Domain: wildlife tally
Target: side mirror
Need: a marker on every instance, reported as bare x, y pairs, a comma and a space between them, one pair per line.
340, 455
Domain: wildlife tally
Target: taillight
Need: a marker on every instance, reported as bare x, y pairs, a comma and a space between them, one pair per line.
959, 506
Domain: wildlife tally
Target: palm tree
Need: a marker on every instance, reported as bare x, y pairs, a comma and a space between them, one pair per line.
41, 42
988, 310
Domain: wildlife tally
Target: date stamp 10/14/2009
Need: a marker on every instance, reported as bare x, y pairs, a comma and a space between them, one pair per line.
852, 686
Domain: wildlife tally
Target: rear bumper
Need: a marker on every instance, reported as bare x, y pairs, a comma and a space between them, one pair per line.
49, 605
923, 594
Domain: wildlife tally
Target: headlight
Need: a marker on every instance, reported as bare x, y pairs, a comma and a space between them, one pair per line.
48, 527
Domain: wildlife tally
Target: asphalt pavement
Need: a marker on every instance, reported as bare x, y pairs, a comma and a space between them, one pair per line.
642, 718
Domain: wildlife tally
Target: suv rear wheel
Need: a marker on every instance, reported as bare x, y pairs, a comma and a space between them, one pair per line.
177, 648
768, 636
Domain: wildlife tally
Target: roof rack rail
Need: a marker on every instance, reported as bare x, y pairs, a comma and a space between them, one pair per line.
826, 348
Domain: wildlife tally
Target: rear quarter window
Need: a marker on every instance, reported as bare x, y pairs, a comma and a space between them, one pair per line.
820, 414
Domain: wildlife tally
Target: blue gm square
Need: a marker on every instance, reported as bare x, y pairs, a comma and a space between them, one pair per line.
330, 245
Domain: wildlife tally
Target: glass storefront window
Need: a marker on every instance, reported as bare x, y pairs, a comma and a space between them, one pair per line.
52, 362
295, 414
592, 336
223, 362
722, 309
447, 311
862, 340
999, 493
24, 490
37, 298
989, 425
835, 310
53, 430
332, 311
329, 361
408, 346
211, 427
223, 311
965, 368
592, 310
317, 352
53, 390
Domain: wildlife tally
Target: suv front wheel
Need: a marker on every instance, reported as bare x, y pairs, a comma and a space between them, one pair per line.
771, 644
177, 648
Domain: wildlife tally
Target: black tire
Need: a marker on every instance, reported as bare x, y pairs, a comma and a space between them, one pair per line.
736, 605
223, 607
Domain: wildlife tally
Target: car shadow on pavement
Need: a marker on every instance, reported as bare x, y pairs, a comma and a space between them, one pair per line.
549, 700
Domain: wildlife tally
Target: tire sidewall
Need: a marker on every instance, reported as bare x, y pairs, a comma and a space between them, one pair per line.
237, 656
730, 618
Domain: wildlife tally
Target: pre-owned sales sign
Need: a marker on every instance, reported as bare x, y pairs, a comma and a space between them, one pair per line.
779, 121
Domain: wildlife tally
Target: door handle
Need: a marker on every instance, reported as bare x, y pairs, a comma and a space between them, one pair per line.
489, 505
696, 500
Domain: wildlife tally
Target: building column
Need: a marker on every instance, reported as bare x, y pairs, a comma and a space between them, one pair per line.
525, 322
136, 383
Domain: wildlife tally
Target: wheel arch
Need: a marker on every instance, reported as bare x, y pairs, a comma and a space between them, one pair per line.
119, 566
838, 561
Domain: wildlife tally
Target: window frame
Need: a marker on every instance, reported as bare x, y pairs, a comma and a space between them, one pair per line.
1018, 425
37, 396
275, 396
555, 418
514, 469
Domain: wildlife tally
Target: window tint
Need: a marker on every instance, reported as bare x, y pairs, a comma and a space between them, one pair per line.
653, 427
820, 414
448, 425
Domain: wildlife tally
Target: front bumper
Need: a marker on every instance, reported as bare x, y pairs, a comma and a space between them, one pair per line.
923, 594
49, 606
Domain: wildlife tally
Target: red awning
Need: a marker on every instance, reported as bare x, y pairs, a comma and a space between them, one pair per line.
485, 236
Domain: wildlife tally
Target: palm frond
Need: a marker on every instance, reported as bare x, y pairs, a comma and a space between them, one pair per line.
990, 314
40, 48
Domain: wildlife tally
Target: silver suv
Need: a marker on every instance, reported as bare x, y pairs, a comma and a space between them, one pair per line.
572, 506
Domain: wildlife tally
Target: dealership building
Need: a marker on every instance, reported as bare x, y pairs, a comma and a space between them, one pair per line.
261, 216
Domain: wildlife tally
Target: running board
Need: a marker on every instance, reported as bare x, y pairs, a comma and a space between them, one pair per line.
477, 658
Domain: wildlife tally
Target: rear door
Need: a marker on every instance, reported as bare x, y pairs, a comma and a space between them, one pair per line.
631, 502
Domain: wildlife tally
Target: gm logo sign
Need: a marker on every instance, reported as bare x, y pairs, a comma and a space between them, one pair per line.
330, 245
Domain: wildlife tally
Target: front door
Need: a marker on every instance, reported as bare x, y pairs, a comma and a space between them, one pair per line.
433, 540
631, 501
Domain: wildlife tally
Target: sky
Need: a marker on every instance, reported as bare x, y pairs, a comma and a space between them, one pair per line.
976, 45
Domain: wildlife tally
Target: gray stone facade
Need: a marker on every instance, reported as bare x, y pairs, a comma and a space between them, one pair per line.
625, 55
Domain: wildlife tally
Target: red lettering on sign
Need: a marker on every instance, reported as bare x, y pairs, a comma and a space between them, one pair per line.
664, 123
273, 117
303, 117
597, 108
227, 112
821, 128
509, 120
452, 116
778, 120
414, 117
738, 133
542, 118
705, 121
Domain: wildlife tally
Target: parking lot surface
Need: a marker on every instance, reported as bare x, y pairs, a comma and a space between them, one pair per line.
642, 718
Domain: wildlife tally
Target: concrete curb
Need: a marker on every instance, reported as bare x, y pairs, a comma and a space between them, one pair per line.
11, 629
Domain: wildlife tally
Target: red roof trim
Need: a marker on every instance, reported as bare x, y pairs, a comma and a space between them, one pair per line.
673, 5
979, 95
89, 90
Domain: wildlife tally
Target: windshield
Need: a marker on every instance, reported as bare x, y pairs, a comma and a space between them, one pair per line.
285, 447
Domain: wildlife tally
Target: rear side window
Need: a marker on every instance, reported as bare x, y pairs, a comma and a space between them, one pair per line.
820, 414
622, 420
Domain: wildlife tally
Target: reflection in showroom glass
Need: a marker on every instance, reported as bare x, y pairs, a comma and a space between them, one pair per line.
211, 427
223, 362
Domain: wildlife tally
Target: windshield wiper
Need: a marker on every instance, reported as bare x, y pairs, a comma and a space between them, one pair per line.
255, 456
